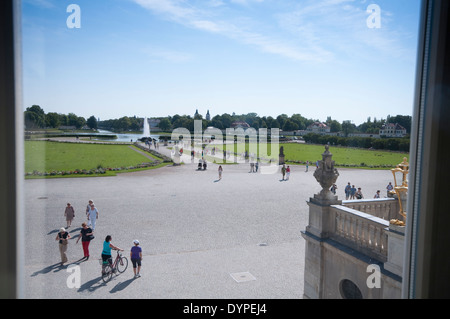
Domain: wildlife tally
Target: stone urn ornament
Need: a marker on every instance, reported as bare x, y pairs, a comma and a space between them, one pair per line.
326, 175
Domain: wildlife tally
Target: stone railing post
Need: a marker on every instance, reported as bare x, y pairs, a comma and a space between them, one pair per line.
321, 225
396, 243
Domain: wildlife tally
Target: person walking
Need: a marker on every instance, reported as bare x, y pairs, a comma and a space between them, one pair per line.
86, 235
136, 258
92, 216
352, 192
377, 194
307, 166
88, 207
69, 212
389, 188
288, 172
107, 247
63, 238
347, 191
283, 171
220, 172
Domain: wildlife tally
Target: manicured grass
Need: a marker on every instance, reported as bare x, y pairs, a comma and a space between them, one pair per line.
297, 153
343, 156
45, 156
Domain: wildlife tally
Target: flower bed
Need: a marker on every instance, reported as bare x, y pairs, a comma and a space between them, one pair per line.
95, 171
381, 166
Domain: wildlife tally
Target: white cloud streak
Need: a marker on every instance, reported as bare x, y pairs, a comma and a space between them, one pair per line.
199, 18
341, 27
313, 31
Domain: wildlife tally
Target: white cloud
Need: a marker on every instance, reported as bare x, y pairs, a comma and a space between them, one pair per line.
200, 18
172, 8
245, 2
340, 26
215, 3
206, 25
47, 4
310, 30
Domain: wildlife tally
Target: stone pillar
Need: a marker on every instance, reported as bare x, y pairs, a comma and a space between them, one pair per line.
396, 249
321, 224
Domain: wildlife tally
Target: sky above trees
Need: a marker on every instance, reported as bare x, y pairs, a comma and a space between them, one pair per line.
157, 58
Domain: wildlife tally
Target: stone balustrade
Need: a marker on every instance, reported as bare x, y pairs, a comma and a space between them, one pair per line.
384, 208
360, 231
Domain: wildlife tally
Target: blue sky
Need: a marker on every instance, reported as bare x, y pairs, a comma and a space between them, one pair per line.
153, 58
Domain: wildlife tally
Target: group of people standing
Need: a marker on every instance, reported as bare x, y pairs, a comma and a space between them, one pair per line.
254, 167
285, 172
87, 235
351, 192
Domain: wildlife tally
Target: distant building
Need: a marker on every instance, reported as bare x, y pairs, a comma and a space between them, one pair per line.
392, 130
208, 116
240, 124
318, 128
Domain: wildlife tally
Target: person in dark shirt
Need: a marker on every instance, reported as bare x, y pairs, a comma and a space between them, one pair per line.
86, 235
136, 258
63, 237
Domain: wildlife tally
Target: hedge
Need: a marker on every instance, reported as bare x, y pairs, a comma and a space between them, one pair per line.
389, 144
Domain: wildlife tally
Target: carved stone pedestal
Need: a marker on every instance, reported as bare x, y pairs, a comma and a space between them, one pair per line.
321, 224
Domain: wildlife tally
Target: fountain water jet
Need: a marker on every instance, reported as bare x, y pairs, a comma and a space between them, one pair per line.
146, 128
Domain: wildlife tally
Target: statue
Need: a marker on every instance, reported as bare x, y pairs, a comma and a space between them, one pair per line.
281, 156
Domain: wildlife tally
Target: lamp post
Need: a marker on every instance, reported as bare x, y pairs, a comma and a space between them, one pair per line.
401, 190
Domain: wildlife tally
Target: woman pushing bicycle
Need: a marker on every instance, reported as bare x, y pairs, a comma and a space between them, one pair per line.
107, 247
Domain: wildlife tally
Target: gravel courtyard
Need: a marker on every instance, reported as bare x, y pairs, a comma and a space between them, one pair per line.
237, 238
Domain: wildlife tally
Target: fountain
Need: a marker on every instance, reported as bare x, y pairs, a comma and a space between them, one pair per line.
146, 129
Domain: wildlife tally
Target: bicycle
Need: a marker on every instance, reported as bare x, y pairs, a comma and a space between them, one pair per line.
119, 265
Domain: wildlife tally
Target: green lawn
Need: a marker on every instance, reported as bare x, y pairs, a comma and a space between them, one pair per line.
343, 156
44, 156
297, 153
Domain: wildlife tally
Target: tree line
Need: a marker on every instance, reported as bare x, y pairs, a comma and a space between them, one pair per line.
35, 117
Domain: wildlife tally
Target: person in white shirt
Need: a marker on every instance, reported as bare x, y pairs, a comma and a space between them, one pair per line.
92, 215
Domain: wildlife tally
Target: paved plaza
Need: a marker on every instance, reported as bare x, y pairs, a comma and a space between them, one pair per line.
237, 238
